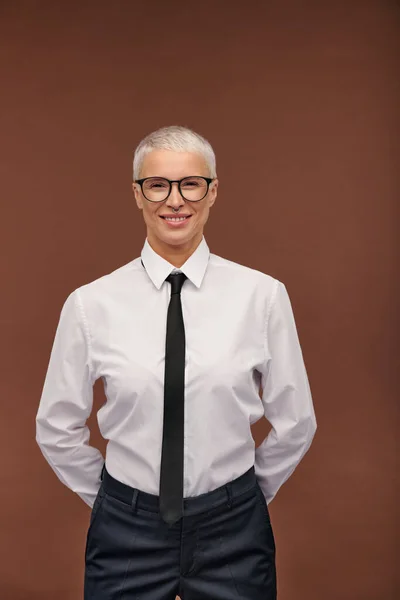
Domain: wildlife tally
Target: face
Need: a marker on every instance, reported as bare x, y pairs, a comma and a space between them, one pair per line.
174, 165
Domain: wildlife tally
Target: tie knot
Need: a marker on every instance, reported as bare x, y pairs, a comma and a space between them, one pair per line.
176, 280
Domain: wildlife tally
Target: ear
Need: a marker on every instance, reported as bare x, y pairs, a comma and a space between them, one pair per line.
214, 188
212, 193
137, 194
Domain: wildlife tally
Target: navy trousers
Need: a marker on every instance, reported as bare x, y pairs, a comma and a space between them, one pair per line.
223, 547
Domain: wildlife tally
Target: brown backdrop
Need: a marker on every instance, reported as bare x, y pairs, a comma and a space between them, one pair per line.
300, 101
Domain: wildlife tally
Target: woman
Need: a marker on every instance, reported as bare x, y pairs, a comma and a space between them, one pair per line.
182, 339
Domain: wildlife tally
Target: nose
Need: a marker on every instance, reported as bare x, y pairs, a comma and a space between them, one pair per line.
175, 199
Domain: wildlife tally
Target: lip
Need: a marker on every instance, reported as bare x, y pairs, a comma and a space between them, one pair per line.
177, 224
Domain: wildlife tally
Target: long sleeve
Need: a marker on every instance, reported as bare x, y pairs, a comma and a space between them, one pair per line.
286, 398
66, 403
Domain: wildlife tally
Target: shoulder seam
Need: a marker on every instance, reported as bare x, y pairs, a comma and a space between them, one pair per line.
86, 331
270, 307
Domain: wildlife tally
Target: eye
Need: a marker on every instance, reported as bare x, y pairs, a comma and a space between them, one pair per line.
156, 184
191, 183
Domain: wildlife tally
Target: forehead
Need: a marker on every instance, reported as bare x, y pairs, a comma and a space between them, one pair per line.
173, 165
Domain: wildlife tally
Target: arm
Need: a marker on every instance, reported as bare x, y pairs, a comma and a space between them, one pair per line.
66, 403
286, 398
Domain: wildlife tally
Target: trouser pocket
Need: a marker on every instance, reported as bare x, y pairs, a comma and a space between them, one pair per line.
265, 514
94, 515
263, 503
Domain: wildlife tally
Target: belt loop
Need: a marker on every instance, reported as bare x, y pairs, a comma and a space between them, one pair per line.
134, 499
102, 471
228, 487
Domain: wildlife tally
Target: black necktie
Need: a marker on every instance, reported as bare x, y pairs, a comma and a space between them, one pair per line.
171, 475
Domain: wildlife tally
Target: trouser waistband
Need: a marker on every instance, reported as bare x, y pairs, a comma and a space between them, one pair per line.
191, 505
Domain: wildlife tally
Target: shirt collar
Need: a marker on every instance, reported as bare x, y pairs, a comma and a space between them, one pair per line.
158, 268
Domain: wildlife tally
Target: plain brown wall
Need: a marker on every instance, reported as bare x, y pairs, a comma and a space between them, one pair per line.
300, 101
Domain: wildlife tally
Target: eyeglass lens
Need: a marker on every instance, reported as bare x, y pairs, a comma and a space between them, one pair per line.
156, 189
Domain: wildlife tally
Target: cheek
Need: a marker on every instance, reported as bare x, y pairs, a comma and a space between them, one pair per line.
149, 212
148, 216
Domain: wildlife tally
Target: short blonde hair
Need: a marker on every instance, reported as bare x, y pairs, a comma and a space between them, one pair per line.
177, 138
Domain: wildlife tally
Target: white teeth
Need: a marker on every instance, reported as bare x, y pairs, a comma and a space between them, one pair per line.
174, 219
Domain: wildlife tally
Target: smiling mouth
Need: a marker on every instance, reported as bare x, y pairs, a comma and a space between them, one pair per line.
175, 218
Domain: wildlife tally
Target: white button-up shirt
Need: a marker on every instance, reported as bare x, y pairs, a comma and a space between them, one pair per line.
240, 332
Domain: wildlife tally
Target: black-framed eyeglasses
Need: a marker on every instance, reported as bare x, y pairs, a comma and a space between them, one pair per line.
157, 189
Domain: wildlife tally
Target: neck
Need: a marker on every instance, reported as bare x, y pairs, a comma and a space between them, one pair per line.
176, 254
